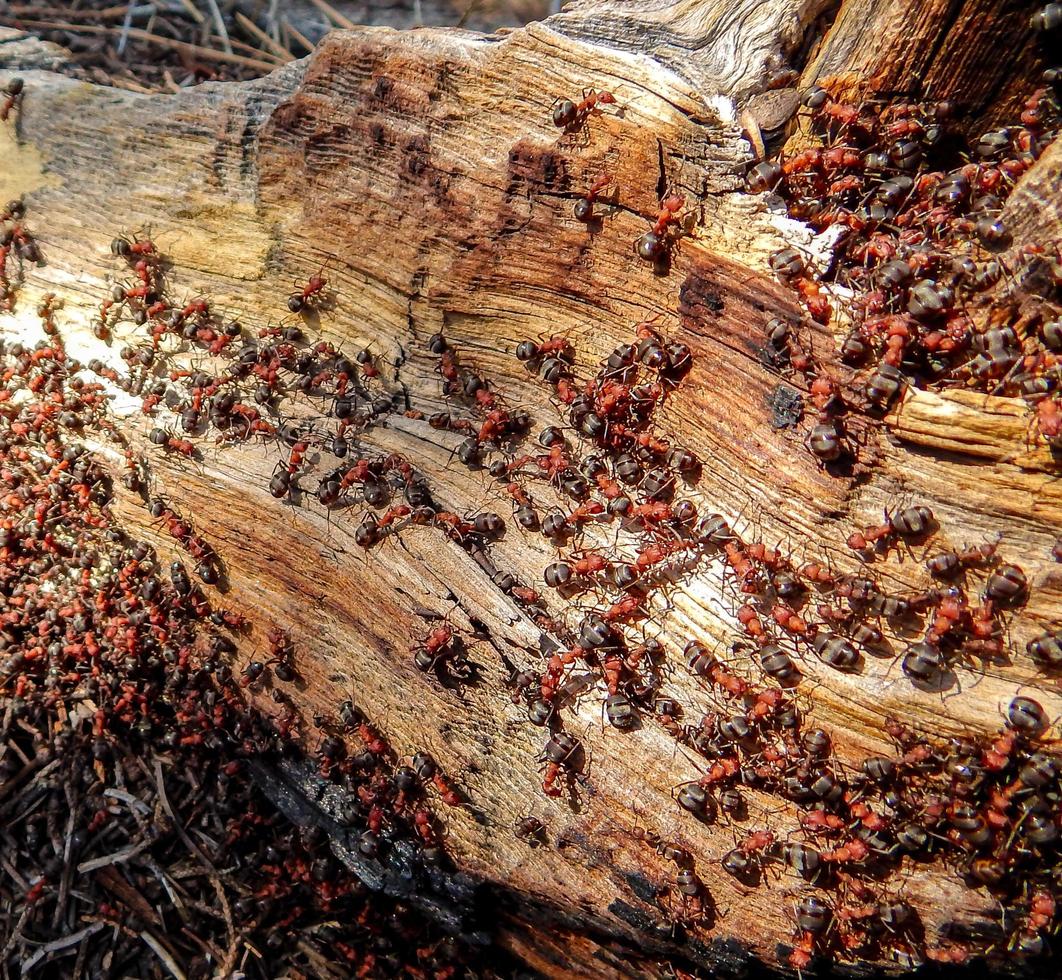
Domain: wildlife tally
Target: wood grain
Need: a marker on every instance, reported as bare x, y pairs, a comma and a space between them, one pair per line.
979, 53
421, 171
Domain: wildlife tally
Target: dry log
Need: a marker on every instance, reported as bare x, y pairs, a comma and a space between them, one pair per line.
421, 172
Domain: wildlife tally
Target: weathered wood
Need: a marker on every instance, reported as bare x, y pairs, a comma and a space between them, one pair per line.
981, 55
422, 171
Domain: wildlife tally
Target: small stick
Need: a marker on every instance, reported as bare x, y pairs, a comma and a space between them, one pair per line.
61, 943
123, 855
194, 50
295, 33
127, 22
64, 881
334, 15
161, 953
249, 25
219, 23
193, 11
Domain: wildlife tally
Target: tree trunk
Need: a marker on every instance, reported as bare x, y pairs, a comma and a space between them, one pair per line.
420, 174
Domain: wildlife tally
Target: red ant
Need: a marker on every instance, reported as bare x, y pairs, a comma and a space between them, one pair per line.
566, 391
299, 301
786, 617
526, 515
372, 740
720, 771
757, 842
692, 892
591, 564
851, 852
645, 440
734, 686
867, 817
769, 557
821, 821
819, 574
434, 647
652, 245
657, 552
550, 680
702, 663
160, 437
952, 952
627, 607
609, 488
13, 91
750, 620
360, 472
823, 392
393, 514
765, 704
743, 568
911, 522
951, 612
233, 620
298, 451
365, 359
281, 654
570, 115
1041, 912
804, 162
454, 525
423, 823
610, 398
801, 956
584, 207
560, 753
556, 346
449, 795
669, 209
1049, 420
569, 523
141, 249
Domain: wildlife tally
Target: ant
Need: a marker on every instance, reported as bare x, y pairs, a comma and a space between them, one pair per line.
160, 437
138, 248
364, 357
626, 608
561, 753
531, 830
556, 346
750, 854
693, 795
1049, 421
750, 620
440, 648
584, 207
812, 916
738, 560
568, 115
281, 654
694, 895
13, 93
446, 790
910, 523
299, 301
655, 242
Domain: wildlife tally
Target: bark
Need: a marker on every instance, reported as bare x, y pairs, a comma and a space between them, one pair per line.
422, 172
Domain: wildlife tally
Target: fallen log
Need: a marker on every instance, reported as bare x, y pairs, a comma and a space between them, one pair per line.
422, 176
